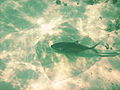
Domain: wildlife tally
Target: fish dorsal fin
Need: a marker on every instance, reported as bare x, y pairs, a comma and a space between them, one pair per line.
77, 42
96, 44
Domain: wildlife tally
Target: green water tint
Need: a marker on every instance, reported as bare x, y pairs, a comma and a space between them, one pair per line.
73, 11
29, 57
34, 8
116, 43
113, 26
115, 86
26, 74
112, 13
15, 17
2, 65
8, 86
115, 63
49, 59
69, 33
46, 55
91, 2
5, 30
6, 45
12, 16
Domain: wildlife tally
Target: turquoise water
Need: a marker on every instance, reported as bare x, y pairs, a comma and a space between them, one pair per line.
28, 28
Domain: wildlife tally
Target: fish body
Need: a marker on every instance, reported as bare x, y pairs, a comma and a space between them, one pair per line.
71, 47
74, 48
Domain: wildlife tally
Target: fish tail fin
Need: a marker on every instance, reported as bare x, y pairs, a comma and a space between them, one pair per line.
95, 45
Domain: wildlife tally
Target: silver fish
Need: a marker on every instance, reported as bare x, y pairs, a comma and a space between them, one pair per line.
72, 47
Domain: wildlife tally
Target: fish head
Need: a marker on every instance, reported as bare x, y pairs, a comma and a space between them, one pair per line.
58, 46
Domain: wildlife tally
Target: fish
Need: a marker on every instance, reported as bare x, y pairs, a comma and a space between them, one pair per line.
72, 47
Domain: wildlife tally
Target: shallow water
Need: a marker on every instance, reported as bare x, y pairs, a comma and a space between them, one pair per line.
28, 28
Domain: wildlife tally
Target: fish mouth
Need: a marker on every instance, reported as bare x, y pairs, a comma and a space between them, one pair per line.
53, 47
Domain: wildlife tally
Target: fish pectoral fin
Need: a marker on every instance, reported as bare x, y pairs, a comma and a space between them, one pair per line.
77, 42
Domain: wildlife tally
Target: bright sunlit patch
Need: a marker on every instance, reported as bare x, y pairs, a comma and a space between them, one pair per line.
89, 27
43, 55
57, 85
49, 27
61, 84
50, 43
40, 84
46, 29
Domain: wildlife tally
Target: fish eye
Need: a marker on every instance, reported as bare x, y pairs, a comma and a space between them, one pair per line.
52, 46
